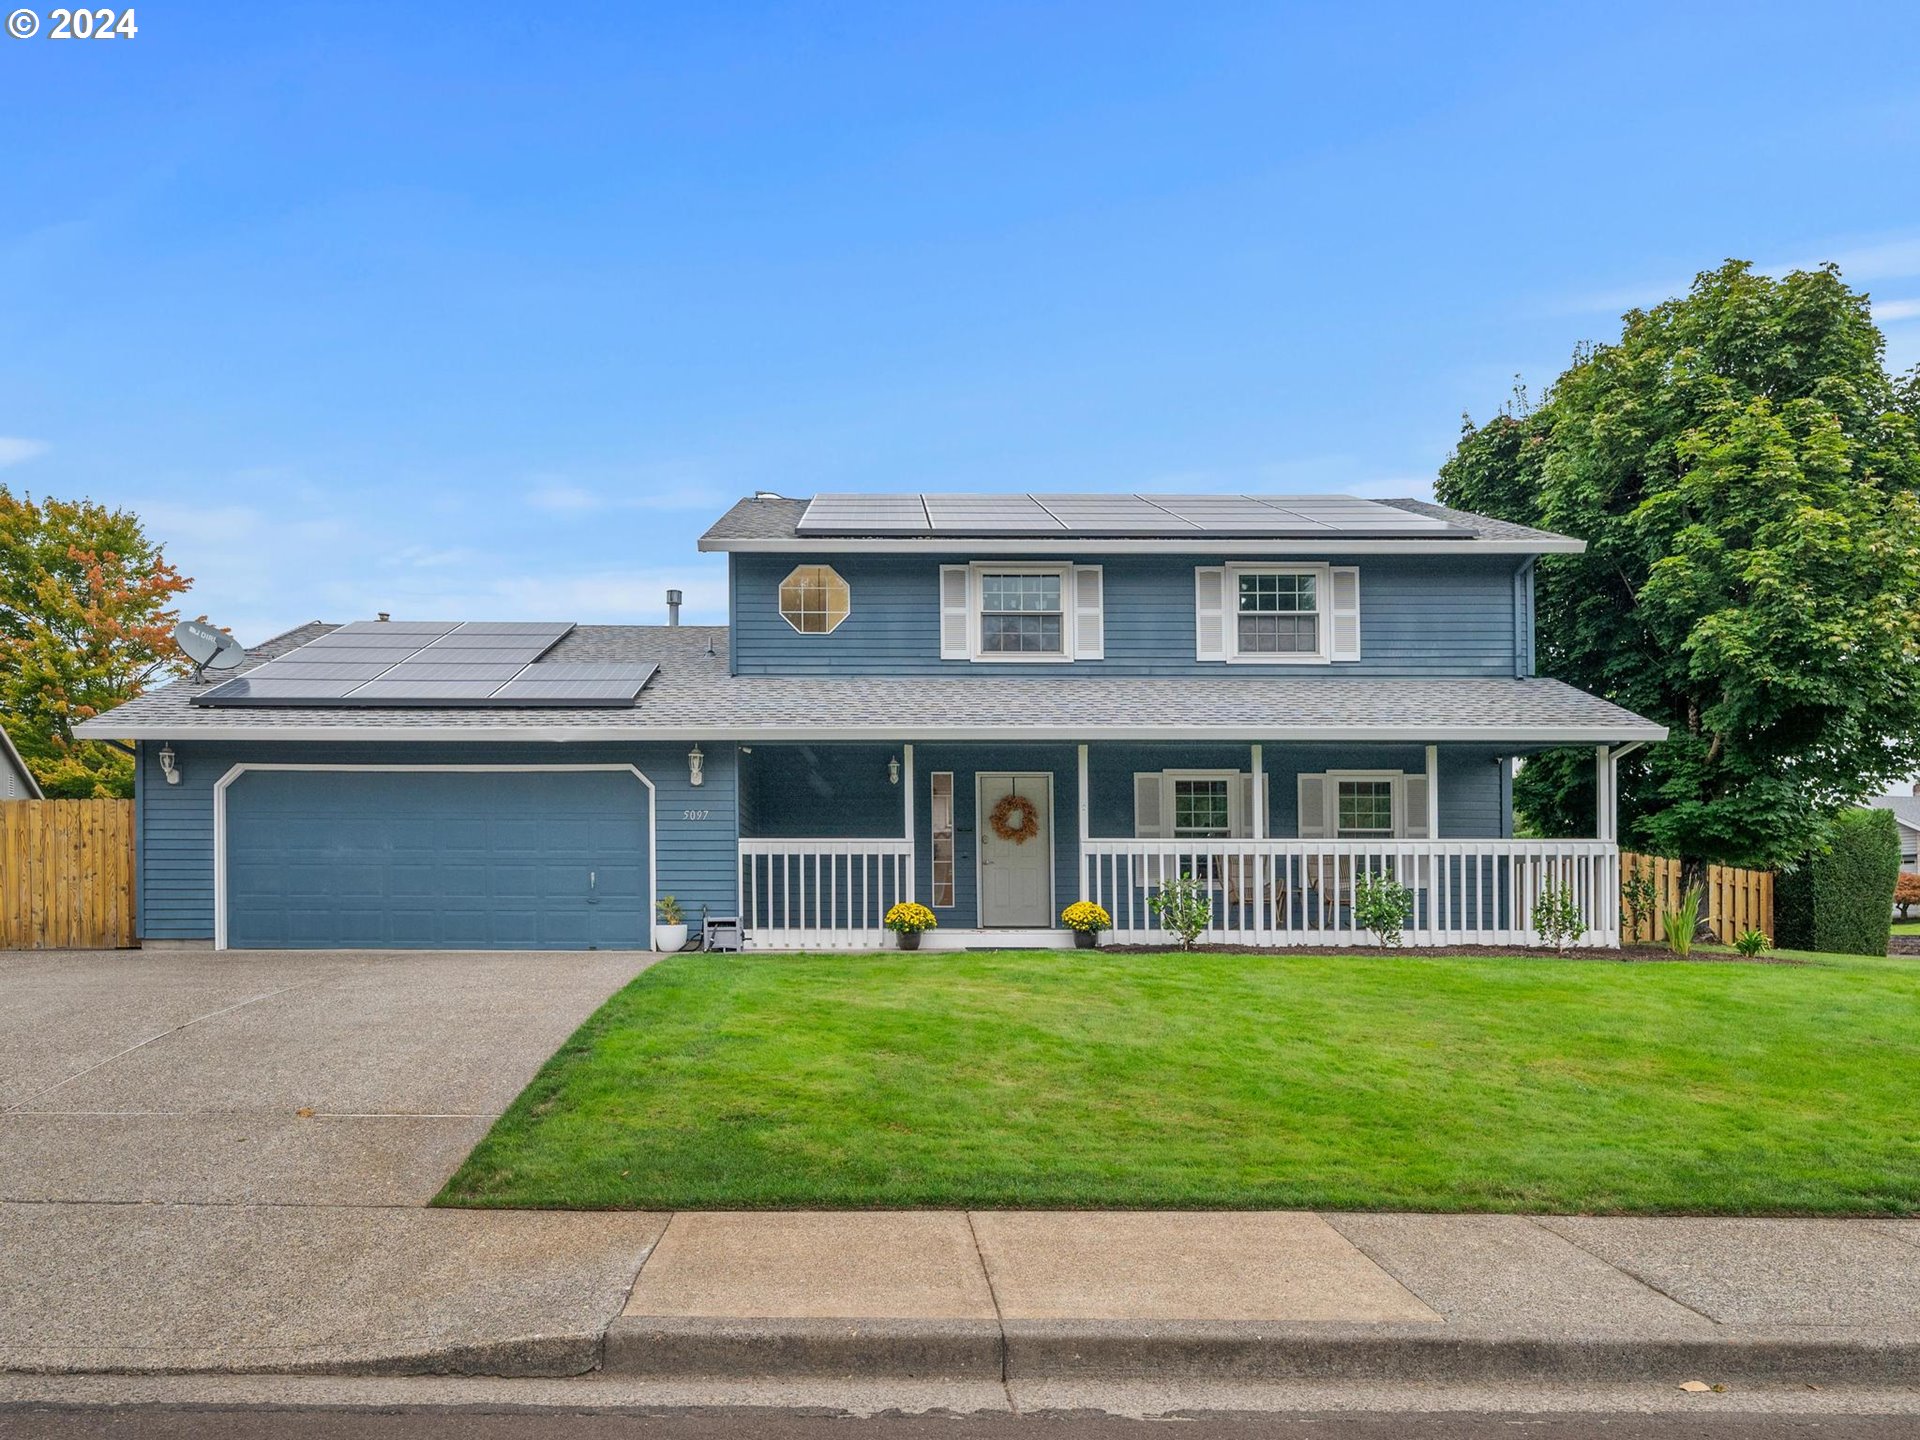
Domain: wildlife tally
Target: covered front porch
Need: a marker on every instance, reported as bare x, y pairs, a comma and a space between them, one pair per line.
998, 838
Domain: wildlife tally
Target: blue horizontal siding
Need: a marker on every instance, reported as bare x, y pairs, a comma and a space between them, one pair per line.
1419, 615
695, 862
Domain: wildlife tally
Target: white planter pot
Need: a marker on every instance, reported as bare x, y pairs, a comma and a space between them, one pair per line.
669, 938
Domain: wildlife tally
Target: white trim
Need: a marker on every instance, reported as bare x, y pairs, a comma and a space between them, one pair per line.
979, 824
912, 882
976, 611
883, 730
1258, 829
1433, 792
235, 772
1322, 613
1196, 544
1085, 819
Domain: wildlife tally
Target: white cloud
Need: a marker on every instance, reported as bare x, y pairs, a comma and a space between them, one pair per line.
14, 450
564, 499
1887, 311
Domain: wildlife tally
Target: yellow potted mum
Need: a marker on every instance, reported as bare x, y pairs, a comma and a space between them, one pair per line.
907, 920
1086, 920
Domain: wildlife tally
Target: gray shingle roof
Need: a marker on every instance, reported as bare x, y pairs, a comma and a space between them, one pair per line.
1905, 808
778, 518
694, 696
1485, 526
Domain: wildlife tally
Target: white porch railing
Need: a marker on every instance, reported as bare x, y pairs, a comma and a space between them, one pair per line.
1300, 892
821, 894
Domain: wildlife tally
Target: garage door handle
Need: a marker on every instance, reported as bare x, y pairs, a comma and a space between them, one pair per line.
593, 887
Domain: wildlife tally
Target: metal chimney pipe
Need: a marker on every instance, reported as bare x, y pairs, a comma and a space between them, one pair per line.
673, 607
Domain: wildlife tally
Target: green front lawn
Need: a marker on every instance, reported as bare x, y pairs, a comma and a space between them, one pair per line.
1351, 1081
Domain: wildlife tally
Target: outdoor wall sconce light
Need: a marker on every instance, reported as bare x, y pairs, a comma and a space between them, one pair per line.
695, 760
167, 767
893, 770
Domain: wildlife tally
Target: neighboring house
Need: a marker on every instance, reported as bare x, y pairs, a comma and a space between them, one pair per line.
995, 704
16, 781
1906, 814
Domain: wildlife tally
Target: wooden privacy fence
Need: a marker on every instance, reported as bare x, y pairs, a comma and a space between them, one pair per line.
66, 874
1734, 900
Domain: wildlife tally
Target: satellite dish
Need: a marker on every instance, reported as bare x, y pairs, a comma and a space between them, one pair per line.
208, 646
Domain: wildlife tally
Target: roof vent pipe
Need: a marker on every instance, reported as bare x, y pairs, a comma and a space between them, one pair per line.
673, 607
383, 615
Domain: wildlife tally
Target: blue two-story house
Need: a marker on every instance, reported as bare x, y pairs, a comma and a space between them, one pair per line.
994, 704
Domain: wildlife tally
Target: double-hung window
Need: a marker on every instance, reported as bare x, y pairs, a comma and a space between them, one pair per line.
1015, 611
1277, 613
1021, 614
1264, 613
1363, 810
1202, 808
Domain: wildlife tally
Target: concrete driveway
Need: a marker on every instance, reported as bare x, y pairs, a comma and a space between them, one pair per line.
263, 1237
187, 1077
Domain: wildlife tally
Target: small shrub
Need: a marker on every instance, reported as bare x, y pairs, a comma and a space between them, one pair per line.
1639, 899
1906, 891
1380, 904
1184, 908
1752, 942
1086, 917
909, 918
670, 911
1556, 915
1678, 925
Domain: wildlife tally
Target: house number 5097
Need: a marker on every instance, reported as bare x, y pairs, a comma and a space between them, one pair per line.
695, 814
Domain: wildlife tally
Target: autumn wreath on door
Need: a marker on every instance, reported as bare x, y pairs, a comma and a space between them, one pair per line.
1015, 819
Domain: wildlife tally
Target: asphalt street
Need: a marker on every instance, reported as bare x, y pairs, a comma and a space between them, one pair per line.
194, 1423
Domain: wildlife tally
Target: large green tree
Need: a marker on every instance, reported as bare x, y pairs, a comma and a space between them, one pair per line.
1744, 472
85, 623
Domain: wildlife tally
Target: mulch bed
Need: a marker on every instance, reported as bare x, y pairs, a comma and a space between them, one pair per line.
1626, 954
1903, 945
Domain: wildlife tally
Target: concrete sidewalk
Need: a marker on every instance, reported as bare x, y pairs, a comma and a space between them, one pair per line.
1273, 1296
986, 1297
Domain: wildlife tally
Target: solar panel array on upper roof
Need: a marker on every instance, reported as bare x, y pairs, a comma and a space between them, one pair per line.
427, 662
1156, 517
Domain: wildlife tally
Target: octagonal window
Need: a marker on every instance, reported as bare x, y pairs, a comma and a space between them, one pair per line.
814, 599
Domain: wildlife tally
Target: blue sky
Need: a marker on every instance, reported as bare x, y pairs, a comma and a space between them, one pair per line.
474, 311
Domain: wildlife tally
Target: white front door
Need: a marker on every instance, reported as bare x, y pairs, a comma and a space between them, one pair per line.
1016, 875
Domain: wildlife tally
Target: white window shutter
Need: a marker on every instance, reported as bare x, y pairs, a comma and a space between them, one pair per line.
1413, 806
1089, 623
1147, 821
1314, 803
1344, 581
956, 614
1210, 613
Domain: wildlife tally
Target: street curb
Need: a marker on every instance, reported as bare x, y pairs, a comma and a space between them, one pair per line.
657, 1347
1058, 1350
661, 1347
530, 1357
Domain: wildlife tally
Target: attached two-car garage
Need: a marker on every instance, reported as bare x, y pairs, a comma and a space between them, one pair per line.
447, 857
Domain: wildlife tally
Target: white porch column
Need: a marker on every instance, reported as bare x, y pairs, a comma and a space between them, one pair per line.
913, 849
1259, 817
1433, 792
1080, 792
1603, 778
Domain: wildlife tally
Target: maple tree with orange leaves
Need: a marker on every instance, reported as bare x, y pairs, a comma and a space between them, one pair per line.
86, 622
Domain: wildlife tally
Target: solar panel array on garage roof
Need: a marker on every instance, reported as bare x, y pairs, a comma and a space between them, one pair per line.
1095, 515
425, 662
